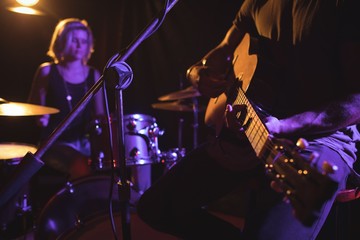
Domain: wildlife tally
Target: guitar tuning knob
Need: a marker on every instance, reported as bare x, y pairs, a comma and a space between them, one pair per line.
302, 143
269, 169
314, 156
329, 168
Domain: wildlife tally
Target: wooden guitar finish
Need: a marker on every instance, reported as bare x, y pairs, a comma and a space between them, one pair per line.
305, 187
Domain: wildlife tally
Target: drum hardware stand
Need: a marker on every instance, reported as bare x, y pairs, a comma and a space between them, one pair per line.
196, 121
180, 132
195, 125
23, 205
114, 70
181, 119
25, 211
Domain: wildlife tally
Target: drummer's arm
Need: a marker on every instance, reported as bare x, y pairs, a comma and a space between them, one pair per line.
38, 91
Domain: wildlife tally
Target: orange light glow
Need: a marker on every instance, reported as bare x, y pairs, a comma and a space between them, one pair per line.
27, 3
25, 10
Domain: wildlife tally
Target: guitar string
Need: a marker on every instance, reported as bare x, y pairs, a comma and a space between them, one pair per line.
263, 135
261, 130
254, 117
270, 146
252, 111
267, 145
261, 138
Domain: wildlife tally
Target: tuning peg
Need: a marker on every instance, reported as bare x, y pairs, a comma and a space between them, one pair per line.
314, 156
329, 168
302, 143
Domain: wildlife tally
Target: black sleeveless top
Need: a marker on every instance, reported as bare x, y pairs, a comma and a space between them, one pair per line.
56, 97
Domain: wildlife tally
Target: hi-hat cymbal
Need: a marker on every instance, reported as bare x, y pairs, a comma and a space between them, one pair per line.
188, 92
23, 109
178, 106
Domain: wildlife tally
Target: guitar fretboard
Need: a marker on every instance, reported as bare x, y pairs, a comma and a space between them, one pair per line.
255, 130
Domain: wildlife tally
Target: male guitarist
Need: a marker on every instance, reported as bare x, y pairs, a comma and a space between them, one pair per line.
284, 102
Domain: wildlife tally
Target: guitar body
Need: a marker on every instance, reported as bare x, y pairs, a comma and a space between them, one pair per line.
244, 66
215, 112
225, 152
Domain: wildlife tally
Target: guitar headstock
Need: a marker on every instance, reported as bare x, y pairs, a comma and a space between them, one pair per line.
306, 187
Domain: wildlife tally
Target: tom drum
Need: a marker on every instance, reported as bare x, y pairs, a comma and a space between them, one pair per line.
141, 134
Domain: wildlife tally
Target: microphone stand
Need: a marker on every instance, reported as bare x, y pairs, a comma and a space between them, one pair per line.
115, 72
125, 77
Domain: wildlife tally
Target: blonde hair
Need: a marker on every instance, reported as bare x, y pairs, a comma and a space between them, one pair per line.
61, 38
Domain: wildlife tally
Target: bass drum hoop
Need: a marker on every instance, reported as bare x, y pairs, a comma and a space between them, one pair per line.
76, 206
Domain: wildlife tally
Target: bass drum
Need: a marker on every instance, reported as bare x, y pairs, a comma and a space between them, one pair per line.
78, 206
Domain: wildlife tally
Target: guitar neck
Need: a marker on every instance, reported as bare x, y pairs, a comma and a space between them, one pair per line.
305, 186
255, 130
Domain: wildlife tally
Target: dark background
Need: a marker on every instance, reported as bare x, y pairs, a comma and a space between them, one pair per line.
190, 29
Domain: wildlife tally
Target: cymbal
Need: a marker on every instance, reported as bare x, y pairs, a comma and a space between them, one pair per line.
12, 150
23, 109
178, 106
188, 92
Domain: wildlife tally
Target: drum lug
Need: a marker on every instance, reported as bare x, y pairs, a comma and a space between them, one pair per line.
131, 125
134, 153
69, 187
79, 223
23, 204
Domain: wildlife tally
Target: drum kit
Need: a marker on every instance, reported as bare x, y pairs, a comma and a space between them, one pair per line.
183, 101
15, 212
141, 149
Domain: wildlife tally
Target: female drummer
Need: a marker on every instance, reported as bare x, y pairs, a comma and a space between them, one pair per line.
61, 83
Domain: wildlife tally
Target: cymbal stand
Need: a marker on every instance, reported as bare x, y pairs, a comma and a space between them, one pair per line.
180, 132
196, 121
181, 119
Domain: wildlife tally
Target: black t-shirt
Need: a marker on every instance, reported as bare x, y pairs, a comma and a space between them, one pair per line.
298, 49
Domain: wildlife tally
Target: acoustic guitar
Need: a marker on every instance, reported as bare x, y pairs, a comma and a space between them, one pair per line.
306, 187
